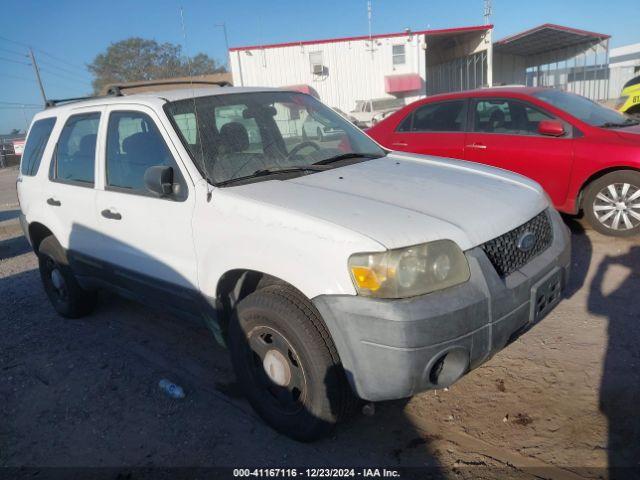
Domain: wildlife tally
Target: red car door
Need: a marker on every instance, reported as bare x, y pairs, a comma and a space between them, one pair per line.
504, 133
430, 128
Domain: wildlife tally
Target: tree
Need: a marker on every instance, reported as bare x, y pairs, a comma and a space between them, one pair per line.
14, 132
136, 59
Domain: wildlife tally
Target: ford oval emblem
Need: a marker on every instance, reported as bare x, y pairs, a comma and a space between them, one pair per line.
526, 241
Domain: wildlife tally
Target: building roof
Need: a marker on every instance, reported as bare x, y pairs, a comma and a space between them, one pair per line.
546, 37
444, 31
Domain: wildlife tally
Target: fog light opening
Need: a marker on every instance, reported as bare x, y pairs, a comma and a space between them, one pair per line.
448, 368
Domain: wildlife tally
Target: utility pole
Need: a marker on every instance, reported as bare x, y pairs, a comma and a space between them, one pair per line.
223, 25
37, 70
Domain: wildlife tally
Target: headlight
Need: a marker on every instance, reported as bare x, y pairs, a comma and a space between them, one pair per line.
410, 271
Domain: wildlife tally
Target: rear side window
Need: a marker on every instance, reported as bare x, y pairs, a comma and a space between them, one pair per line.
133, 145
36, 143
436, 117
76, 150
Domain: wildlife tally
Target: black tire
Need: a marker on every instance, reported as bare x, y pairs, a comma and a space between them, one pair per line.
261, 321
599, 202
68, 298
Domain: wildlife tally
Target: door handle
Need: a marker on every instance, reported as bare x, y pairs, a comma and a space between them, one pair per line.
400, 144
477, 146
111, 215
53, 202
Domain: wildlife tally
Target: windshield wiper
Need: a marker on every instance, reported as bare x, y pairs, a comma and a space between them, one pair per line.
346, 156
262, 172
627, 123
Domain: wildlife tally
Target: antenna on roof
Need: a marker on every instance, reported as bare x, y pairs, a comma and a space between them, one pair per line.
487, 12
193, 93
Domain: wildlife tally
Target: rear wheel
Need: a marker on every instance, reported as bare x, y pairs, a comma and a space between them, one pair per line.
60, 284
287, 364
612, 203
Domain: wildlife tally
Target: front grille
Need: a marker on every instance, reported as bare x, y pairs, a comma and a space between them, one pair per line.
504, 253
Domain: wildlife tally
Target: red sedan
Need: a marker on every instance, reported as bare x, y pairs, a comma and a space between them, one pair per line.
586, 156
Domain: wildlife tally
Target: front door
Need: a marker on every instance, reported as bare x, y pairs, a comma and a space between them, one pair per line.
432, 129
505, 134
146, 241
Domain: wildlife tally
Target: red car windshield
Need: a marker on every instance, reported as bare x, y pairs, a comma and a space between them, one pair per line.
584, 109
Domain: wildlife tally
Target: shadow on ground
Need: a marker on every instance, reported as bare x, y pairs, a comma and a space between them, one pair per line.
8, 215
620, 386
13, 247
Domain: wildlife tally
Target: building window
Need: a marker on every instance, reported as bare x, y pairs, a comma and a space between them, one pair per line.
317, 65
398, 55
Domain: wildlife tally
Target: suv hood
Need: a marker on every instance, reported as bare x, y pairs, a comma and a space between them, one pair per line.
403, 200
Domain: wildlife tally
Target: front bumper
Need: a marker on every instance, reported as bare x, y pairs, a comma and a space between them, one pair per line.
395, 348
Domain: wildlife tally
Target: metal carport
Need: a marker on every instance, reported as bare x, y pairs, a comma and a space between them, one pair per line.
554, 56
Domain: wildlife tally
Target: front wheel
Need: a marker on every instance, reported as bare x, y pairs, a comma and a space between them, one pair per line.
287, 364
612, 204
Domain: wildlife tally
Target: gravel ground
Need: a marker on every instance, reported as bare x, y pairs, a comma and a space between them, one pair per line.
560, 402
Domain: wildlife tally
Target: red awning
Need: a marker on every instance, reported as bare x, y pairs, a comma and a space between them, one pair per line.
309, 90
402, 83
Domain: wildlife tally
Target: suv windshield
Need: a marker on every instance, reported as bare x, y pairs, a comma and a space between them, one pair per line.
584, 109
248, 135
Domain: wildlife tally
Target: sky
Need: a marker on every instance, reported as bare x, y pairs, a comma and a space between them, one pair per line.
66, 35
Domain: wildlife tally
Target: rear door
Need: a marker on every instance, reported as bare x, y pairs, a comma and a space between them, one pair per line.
69, 194
504, 133
432, 129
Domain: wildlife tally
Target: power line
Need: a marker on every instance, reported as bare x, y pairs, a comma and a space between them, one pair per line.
14, 52
14, 61
62, 69
19, 103
66, 77
42, 51
16, 77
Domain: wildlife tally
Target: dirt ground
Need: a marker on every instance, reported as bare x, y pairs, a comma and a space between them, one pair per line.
560, 402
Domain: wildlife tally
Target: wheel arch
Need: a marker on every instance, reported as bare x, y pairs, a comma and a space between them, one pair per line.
236, 284
37, 233
595, 176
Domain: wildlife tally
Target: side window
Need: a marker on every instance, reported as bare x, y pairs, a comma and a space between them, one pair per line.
405, 125
398, 55
36, 143
75, 155
134, 144
508, 117
438, 117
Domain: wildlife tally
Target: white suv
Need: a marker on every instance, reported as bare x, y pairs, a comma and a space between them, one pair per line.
332, 271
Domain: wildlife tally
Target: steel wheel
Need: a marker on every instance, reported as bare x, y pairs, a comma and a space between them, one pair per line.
276, 367
56, 280
617, 206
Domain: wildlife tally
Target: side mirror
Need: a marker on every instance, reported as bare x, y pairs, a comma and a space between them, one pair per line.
551, 128
159, 180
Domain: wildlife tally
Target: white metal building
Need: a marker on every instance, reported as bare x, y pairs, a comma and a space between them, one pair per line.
405, 65
411, 65
624, 64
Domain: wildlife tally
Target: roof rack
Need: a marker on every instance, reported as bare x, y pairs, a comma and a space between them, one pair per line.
117, 89
53, 102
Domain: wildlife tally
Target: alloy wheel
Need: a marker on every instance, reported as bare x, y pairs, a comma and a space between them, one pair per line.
617, 206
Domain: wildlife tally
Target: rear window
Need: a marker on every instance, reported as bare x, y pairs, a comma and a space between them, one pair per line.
36, 143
